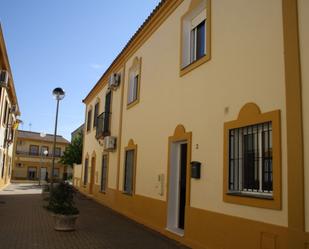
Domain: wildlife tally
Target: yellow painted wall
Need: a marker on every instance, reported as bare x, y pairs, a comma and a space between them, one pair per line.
303, 10
247, 65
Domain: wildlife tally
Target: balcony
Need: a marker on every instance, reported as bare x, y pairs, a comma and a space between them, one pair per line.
33, 154
103, 125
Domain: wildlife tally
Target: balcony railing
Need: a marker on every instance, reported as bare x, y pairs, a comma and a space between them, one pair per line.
33, 154
103, 125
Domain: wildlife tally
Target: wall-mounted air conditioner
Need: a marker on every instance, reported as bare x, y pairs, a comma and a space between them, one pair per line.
4, 78
109, 143
114, 80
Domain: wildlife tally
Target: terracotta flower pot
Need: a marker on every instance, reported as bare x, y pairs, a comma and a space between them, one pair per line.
65, 222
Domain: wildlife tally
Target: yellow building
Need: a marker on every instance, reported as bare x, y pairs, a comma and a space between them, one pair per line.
199, 129
9, 110
33, 156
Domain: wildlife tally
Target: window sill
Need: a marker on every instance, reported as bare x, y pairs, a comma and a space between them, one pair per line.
133, 103
253, 200
251, 195
102, 192
194, 65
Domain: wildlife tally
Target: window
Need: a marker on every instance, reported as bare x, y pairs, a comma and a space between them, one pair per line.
86, 172
34, 150
104, 173
250, 159
195, 40
44, 148
58, 151
133, 88
56, 173
95, 114
198, 41
89, 120
129, 168
134, 83
2, 164
4, 120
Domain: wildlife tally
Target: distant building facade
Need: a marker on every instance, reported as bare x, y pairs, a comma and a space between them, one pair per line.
33, 156
9, 110
77, 131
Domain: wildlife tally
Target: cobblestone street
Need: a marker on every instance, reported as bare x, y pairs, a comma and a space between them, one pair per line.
25, 224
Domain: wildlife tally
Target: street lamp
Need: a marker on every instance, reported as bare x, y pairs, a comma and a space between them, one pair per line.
59, 95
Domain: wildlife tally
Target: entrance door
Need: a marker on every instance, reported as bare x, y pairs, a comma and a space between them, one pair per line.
43, 173
92, 175
31, 173
177, 187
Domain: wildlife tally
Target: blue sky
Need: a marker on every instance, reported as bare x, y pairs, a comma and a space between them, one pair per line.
66, 43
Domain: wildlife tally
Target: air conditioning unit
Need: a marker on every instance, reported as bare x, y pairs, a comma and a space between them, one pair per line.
109, 143
114, 80
4, 78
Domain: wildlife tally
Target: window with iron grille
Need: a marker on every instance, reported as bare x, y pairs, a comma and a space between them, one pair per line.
34, 150
250, 160
129, 171
86, 172
104, 173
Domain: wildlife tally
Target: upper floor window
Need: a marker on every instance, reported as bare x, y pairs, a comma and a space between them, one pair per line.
89, 115
134, 82
96, 114
58, 151
43, 149
195, 36
34, 150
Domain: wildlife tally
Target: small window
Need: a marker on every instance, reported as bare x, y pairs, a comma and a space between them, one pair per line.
134, 83
195, 36
86, 172
34, 150
57, 151
250, 160
43, 149
133, 88
198, 41
5, 114
89, 120
56, 173
95, 114
104, 173
129, 171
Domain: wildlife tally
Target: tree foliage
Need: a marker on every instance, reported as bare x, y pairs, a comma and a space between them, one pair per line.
73, 153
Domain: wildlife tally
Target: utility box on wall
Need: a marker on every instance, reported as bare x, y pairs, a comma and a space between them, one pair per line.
195, 170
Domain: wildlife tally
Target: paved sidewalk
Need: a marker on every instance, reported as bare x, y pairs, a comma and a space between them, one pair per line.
25, 224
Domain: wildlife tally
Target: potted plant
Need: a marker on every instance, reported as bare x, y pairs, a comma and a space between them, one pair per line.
61, 203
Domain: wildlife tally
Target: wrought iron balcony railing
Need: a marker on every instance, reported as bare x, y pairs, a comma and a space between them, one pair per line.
33, 154
103, 125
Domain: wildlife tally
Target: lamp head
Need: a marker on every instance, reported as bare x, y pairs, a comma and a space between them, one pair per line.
59, 93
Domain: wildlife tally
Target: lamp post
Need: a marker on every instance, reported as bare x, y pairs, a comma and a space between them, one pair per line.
42, 135
59, 95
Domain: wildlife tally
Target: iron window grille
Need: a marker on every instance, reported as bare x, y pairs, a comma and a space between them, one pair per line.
250, 160
86, 172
